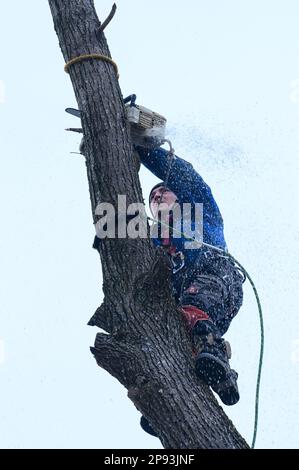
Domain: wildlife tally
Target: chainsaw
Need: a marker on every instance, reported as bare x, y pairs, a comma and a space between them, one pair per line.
147, 127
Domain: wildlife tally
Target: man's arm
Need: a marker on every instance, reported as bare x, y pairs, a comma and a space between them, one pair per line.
183, 180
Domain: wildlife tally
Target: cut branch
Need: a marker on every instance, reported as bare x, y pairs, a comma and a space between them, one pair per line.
100, 318
107, 20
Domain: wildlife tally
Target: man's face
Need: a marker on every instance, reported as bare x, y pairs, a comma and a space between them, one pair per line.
162, 199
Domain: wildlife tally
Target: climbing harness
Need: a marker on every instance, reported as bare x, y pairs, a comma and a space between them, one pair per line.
177, 260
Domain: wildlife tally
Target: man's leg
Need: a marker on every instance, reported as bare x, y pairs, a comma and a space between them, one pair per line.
212, 361
209, 301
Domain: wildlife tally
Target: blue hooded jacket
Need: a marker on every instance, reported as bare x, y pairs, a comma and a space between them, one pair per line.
189, 187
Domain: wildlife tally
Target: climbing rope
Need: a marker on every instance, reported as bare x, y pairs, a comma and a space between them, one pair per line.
246, 274
170, 157
83, 57
260, 365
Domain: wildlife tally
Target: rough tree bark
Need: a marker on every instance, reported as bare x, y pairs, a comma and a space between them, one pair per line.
145, 345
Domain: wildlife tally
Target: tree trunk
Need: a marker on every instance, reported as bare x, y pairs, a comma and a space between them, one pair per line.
145, 345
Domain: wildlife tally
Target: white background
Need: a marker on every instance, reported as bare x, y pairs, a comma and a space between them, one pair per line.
226, 75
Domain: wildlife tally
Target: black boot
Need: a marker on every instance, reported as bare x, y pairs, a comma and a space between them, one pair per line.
147, 427
212, 361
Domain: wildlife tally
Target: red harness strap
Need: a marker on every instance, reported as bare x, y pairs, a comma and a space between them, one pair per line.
192, 315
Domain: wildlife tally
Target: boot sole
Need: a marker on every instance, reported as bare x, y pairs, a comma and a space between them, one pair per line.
210, 369
228, 390
213, 372
147, 427
230, 396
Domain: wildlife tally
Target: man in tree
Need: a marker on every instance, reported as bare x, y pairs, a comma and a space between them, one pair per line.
207, 285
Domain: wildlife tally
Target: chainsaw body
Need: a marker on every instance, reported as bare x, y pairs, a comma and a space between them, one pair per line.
147, 127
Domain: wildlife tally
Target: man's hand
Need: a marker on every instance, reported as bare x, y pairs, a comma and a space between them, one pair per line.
146, 138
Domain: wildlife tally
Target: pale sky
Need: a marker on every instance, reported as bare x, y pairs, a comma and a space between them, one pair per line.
225, 73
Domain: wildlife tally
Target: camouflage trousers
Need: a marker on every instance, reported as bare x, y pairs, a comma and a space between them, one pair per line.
215, 287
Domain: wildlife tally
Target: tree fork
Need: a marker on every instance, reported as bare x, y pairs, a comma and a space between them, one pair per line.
146, 348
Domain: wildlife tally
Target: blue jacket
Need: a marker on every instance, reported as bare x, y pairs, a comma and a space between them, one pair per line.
189, 187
